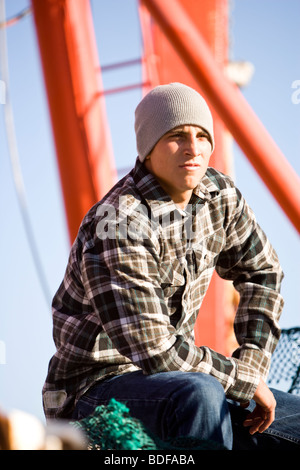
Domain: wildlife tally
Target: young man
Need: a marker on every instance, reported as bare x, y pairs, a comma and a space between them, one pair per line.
137, 274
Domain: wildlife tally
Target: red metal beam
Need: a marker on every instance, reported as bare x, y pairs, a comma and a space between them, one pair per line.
75, 94
229, 103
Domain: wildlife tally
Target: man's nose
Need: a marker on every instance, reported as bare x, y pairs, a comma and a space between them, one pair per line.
192, 147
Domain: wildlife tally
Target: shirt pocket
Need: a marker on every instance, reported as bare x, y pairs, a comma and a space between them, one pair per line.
203, 259
207, 251
172, 275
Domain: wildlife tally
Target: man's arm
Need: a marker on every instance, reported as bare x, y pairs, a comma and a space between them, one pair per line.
251, 263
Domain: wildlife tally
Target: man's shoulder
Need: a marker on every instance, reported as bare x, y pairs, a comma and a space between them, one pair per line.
219, 179
222, 188
121, 193
105, 213
123, 190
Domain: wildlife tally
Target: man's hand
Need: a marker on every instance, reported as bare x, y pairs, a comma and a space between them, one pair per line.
264, 413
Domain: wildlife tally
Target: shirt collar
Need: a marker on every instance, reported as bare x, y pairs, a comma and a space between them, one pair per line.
206, 189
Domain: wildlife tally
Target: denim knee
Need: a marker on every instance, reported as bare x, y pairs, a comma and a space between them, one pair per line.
202, 391
204, 387
198, 407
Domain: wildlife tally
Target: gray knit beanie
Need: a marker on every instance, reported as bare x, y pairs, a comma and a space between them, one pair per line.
166, 107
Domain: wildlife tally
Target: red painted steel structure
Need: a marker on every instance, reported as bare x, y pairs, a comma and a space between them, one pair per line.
231, 106
74, 86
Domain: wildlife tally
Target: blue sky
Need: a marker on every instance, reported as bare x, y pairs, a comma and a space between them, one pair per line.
263, 32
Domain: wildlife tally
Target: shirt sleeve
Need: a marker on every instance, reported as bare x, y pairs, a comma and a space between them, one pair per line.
121, 279
249, 260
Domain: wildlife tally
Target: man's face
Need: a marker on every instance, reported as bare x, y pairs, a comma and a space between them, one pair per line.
179, 160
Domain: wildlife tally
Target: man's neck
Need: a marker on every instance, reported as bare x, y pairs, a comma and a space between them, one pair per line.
183, 199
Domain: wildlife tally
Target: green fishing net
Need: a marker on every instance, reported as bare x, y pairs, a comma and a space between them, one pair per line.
285, 365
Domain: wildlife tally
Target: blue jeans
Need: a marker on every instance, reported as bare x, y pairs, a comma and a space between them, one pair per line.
175, 404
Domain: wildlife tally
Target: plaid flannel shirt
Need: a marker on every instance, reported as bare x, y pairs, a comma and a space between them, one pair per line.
136, 277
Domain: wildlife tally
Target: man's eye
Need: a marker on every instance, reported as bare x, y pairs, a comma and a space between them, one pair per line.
177, 135
203, 136
172, 137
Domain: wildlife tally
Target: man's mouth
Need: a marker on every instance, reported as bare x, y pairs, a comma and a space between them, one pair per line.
190, 166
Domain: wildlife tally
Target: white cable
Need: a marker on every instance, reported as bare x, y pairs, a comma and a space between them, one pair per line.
14, 156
